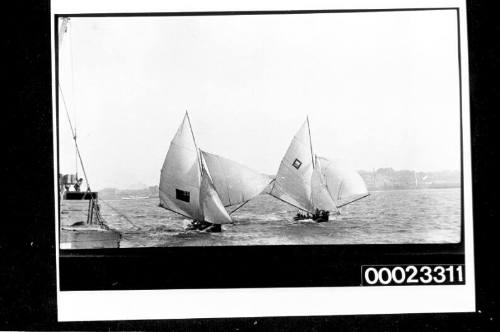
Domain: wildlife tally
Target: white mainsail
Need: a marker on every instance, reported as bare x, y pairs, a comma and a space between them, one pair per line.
311, 184
293, 180
180, 175
344, 184
320, 196
185, 186
234, 183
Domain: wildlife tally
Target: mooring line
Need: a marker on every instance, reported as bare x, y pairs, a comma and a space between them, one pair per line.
121, 214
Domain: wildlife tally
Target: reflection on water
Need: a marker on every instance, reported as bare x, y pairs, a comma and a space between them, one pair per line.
399, 216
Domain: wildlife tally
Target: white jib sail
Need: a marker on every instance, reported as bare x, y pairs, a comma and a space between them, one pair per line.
293, 181
212, 207
180, 175
320, 196
234, 182
344, 184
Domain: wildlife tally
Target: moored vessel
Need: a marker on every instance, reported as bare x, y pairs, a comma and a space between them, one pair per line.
81, 225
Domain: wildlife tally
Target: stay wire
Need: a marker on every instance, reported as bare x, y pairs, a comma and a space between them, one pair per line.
100, 219
121, 214
74, 138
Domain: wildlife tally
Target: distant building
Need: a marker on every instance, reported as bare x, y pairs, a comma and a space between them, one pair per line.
388, 178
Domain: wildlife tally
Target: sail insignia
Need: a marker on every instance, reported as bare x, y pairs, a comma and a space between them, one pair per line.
293, 180
181, 175
297, 163
199, 185
182, 195
309, 182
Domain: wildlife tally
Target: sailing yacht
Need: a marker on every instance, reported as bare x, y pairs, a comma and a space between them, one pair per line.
314, 185
200, 186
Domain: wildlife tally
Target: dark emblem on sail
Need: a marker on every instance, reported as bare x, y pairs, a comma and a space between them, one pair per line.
297, 163
182, 195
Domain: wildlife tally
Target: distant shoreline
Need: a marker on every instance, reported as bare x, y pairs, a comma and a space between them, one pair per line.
382, 179
415, 188
112, 193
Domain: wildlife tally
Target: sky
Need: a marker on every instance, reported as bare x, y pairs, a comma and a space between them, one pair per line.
380, 90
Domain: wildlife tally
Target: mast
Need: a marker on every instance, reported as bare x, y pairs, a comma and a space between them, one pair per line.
310, 142
194, 140
62, 31
63, 28
74, 139
293, 180
94, 206
180, 174
75, 103
78, 158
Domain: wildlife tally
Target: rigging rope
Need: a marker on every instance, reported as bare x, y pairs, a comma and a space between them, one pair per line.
121, 214
240, 206
73, 97
74, 138
94, 204
95, 207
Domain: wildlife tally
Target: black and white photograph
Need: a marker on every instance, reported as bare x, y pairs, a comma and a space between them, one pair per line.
332, 128
231, 153
273, 165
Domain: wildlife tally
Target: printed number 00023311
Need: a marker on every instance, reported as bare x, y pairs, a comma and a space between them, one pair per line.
393, 275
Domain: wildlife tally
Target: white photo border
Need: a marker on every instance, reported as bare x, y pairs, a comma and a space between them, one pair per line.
267, 302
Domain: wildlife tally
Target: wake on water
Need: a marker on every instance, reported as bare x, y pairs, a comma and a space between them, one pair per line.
384, 217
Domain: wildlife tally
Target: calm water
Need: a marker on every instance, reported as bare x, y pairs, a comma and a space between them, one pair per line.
400, 216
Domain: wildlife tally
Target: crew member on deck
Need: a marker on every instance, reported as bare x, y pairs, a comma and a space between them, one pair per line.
316, 214
78, 184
